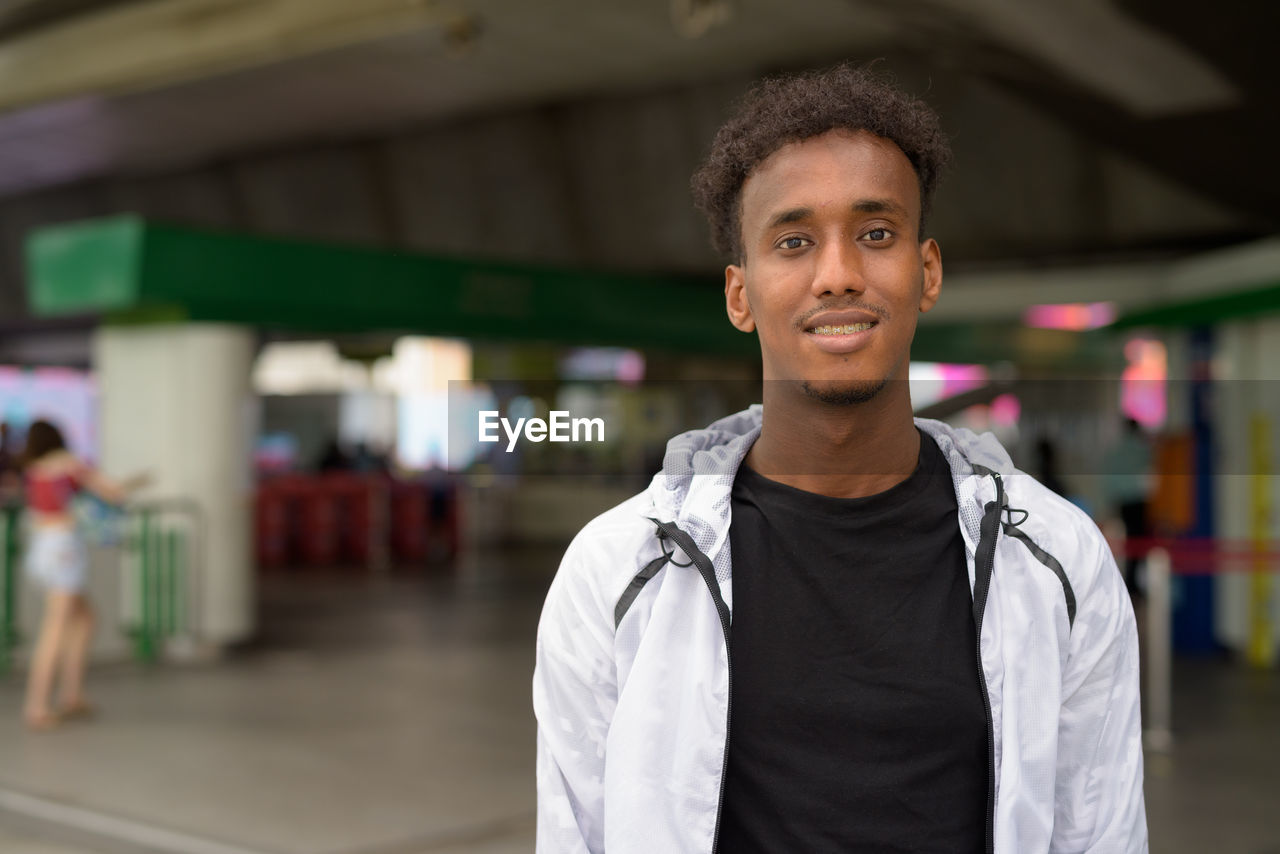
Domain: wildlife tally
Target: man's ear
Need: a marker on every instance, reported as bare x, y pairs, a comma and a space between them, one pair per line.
931, 261
735, 299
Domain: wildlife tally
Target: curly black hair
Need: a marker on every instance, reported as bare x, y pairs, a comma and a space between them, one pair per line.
796, 107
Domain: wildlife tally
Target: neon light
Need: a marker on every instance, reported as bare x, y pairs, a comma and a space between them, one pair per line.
1006, 409
1074, 317
935, 381
1143, 390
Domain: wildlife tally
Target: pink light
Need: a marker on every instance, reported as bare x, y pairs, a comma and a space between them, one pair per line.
1005, 410
1074, 317
1143, 393
957, 379
631, 368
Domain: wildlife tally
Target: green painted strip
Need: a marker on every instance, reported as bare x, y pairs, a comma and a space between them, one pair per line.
137, 270
994, 343
1251, 303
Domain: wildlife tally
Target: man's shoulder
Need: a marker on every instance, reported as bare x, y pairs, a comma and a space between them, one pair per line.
631, 515
1061, 528
605, 553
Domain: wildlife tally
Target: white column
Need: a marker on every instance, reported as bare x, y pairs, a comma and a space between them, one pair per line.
176, 401
1249, 353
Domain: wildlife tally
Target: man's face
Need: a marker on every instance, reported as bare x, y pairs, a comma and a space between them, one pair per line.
833, 273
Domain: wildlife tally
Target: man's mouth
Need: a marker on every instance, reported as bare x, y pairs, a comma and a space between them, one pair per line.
846, 329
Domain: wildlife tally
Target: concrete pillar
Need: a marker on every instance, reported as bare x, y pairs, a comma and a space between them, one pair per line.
176, 402
1177, 346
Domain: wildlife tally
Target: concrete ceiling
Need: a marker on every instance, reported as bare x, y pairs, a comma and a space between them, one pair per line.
93, 88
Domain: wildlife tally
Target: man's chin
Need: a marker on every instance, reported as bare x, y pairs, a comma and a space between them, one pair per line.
842, 392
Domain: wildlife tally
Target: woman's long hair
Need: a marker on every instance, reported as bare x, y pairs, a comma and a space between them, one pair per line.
42, 438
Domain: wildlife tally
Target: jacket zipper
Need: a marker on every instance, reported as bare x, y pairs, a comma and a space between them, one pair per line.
708, 572
985, 559
988, 532
728, 717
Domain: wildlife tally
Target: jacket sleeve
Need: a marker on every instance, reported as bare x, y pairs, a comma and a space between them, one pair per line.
574, 696
1099, 805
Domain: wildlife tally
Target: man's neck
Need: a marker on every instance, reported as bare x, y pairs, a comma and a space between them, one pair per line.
841, 451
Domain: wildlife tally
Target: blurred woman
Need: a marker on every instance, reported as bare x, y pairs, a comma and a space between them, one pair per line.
57, 560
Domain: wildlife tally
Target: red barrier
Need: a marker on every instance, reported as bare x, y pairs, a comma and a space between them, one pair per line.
343, 518
318, 524
410, 509
271, 528
351, 495
1205, 555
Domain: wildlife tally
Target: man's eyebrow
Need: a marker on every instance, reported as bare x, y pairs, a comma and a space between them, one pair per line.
879, 206
871, 206
789, 216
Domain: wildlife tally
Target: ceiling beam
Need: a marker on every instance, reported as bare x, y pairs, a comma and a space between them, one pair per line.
1101, 49
151, 45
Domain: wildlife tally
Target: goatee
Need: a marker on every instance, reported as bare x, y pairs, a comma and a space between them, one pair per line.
846, 394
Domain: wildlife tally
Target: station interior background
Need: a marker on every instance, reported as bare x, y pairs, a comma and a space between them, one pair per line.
279, 254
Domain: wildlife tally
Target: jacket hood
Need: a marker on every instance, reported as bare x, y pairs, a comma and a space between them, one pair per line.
699, 466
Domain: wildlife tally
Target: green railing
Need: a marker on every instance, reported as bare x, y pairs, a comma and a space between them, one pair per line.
158, 566
158, 571
10, 517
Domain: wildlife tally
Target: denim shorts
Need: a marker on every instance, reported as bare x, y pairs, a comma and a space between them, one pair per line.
56, 559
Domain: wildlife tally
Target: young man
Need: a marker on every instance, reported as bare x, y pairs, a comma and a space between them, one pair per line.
825, 627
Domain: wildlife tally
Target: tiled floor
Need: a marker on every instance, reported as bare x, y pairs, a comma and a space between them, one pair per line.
393, 717
387, 717
14, 841
1218, 790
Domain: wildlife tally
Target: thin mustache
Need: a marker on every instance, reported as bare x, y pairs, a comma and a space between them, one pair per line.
879, 311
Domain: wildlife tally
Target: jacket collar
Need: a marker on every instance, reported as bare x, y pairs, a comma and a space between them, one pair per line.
696, 480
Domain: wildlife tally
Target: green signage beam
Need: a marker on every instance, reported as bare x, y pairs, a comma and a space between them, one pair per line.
1206, 311
132, 270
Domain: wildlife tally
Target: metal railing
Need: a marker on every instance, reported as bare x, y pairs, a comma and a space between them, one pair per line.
1168, 558
10, 549
159, 563
1159, 734
160, 574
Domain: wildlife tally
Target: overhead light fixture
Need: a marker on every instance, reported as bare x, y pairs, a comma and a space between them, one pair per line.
693, 19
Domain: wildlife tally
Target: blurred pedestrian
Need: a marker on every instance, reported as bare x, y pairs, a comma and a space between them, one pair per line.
56, 559
334, 457
9, 480
1047, 466
1128, 487
368, 460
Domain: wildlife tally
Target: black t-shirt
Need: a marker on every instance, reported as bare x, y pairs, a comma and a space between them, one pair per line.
857, 718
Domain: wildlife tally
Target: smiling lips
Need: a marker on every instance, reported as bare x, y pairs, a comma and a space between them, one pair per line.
847, 329
840, 331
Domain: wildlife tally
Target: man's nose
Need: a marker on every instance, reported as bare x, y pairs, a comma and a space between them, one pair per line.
838, 270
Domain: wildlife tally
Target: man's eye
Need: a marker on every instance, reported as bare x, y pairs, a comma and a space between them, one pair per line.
877, 235
792, 243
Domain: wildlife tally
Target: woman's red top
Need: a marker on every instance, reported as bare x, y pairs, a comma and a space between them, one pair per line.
51, 494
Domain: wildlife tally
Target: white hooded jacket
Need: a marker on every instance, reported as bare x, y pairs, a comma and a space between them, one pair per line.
631, 686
